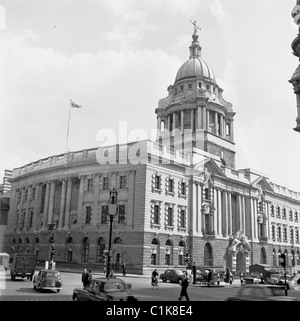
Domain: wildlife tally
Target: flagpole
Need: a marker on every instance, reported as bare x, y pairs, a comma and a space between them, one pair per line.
68, 126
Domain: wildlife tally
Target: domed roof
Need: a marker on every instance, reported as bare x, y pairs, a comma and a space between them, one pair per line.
193, 68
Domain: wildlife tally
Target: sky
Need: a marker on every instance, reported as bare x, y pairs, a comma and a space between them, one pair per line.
117, 58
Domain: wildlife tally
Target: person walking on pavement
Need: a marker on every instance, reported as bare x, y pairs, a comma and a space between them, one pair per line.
124, 268
90, 276
85, 278
184, 286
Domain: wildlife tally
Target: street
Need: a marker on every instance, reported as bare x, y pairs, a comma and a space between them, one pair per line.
22, 289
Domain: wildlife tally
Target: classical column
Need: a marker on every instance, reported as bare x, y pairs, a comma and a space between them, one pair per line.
225, 213
216, 123
199, 208
68, 204
204, 123
158, 125
80, 216
193, 220
51, 203
216, 211
219, 212
199, 113
222, 126
174, 122
268, 220
36, 208
96, 198
182, 120
192, 120
207, 120
62, 204
46, 205
169, 124
231, 130
229, 214
255, 235
27, 207
244, 213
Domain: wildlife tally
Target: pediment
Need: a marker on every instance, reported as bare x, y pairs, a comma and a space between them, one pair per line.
262, 183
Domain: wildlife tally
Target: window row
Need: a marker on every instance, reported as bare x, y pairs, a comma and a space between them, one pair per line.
281, 233
281, 213
167, 215
189, 86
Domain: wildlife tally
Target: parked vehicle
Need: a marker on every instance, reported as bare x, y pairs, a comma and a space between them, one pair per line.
4, 260
172, 275
290, 282
274, 278
23, 265
253, 278
104, 289
261, 292
47, 280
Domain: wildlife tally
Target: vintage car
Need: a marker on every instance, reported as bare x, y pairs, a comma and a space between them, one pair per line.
172, 275
47, 279
262, 292
104, 289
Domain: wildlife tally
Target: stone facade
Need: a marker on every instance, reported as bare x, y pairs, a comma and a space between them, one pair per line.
178, 195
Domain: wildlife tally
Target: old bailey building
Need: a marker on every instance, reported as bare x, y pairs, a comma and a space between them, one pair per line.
176, 195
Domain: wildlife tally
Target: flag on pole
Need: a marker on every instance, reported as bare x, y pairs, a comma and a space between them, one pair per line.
75, 105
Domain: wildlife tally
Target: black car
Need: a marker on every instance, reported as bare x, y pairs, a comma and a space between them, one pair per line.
104, 289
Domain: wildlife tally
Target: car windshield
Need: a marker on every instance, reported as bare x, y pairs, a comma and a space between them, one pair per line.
114, 286
50, 274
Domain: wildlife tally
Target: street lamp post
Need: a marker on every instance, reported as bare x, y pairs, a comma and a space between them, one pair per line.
112, 211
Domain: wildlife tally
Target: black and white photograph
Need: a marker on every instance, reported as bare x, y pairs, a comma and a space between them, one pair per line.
150, 153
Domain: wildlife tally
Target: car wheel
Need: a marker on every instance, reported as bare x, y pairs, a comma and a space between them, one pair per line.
58, 290
75, 297
164, 279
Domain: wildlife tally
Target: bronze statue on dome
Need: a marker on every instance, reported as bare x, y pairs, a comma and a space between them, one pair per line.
196, 27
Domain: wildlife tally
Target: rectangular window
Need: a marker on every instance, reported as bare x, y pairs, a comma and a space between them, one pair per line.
122, 182
206, 194
183, 188
190, 86
104, 213
105, 183
170, 216
157, 182
182, 218
88, 215
156, 214
171, 185
90, 185
121, 216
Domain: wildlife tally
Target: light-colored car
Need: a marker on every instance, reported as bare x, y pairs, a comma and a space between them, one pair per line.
262, 292
172, 275
274, 278
47, 279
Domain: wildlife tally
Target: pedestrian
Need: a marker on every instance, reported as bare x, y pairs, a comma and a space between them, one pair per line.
209, 277
230, 277
85, 278
184, 286
218, 278
262, 281
242, 278
124, 268
90, 276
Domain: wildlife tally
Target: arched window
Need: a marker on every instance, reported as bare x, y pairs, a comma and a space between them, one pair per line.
263, 256
154, 252
100, 250
118, 241
208, 255
169, 251
85, 250
69, 250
